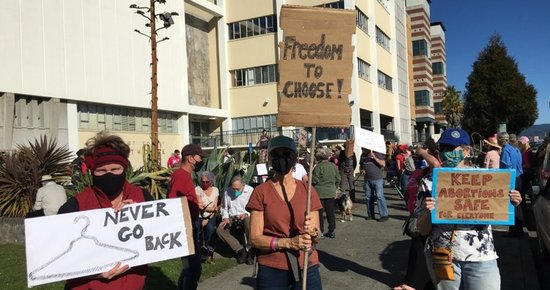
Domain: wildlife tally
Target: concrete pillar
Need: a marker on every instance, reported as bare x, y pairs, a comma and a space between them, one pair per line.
8, 100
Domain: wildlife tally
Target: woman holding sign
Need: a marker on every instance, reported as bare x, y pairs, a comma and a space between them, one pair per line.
279, 228
462, 256
107, 158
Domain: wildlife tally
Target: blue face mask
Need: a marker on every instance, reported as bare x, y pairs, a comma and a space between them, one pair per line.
237, 193
451, 158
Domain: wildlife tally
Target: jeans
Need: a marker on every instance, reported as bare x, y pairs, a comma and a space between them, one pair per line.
328, 207
473, 276
404, 181
274, 279
191, 266
375, 186
206, 232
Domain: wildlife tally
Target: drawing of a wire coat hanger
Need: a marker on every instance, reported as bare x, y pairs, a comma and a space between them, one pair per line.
34, 275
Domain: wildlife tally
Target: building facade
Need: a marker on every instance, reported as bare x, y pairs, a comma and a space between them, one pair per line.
72, 73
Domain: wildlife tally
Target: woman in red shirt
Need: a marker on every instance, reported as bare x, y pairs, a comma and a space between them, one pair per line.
279, 229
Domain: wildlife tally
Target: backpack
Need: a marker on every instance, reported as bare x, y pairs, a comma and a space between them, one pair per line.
409, 165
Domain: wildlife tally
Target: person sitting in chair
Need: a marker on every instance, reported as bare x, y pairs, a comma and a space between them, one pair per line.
235, 215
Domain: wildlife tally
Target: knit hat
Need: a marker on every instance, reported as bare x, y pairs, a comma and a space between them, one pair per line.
454, 137
103, 156
282, 142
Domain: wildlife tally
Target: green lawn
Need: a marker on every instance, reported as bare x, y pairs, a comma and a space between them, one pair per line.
162, 275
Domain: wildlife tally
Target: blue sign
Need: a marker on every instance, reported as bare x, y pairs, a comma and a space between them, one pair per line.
473, 196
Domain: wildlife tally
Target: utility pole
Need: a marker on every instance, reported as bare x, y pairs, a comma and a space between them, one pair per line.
166, 17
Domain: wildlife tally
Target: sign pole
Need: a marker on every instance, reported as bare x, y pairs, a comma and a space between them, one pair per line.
308, 203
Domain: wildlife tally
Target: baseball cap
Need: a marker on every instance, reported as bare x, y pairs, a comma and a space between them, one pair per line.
281, 142
454, 137
192, 149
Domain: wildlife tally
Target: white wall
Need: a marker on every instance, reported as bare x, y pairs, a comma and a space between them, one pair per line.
87, 50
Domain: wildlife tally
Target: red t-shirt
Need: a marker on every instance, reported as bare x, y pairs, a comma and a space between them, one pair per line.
181, 184
399, 158
277, 219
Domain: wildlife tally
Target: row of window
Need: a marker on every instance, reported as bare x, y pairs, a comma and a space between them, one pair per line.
112, 118
255, 75
420, 47
422, 98
363, 69
253, 27
268, 122
382, 39
384, 81
362, 21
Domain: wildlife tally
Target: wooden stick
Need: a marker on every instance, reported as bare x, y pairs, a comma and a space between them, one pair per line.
308, 203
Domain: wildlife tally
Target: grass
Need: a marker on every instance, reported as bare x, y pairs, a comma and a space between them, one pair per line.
162, 275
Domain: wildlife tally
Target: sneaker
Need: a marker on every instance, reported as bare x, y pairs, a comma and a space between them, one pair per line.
331, 235
383, 219
241, 256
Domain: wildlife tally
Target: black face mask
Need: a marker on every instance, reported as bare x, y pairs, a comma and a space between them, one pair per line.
110, 183
282, 165
198, 166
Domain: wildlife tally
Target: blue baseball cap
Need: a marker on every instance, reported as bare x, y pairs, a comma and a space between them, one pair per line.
454, 137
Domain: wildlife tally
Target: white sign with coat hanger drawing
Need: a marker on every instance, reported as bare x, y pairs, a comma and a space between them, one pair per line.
66, 246
370, 140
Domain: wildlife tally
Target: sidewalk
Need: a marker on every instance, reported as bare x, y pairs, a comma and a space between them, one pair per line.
373, 255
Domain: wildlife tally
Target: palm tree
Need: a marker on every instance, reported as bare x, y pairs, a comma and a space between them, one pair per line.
452, 106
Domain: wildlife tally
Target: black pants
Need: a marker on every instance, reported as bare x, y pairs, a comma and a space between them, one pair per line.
417, 271
518, 210
328, 207
192, 267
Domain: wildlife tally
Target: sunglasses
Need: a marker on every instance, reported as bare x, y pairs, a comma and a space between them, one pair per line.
205, 181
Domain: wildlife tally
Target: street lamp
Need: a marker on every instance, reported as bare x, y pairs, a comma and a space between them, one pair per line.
167, 20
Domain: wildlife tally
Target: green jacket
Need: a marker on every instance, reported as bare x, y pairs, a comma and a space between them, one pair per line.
326, 179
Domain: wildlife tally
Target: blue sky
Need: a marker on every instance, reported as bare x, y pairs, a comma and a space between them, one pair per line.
525, 30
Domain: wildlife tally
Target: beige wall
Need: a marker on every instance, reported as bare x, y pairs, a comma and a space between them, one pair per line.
249, 101
168, 142
385, 63
365, 95
363, 46
214, 73
364, 7
308, 2
383, 19
387, 102
246, 9
251, 51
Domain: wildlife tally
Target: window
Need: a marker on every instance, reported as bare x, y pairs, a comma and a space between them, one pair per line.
437, 68
363, 69
422, 98
362, 21
255, 123
252, 27
384, 81
256, 75
420, 47
438, 109
113, 118
382, 39
335, 5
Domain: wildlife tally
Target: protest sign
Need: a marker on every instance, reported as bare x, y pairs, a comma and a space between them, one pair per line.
84, 243
370, 140
473, 196
315, 66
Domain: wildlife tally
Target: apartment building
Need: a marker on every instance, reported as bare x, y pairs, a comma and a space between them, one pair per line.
429, 61
73, 68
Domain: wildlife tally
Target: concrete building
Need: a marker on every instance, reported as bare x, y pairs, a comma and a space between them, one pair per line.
429, 61
73, 68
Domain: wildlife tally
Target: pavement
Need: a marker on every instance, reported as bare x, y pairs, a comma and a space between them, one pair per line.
367, 254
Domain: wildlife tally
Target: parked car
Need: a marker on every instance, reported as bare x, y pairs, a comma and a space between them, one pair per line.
541, 206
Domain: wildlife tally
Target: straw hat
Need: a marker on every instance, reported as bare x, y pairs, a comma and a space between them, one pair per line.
493, 142
45, 178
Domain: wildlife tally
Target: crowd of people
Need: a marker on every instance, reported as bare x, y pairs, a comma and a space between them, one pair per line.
267, 223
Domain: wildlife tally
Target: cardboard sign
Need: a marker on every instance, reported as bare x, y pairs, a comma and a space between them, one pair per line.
315, 66
370, 140
473, 196
84, 243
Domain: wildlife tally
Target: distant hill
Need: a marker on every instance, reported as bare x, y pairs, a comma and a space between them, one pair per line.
541, 131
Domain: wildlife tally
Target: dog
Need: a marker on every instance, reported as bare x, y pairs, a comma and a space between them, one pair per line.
345, 205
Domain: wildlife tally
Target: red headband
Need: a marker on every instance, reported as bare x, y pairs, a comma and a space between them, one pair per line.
104, 156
